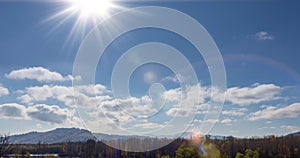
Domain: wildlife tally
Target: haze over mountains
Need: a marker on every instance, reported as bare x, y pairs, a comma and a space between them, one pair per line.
61, 135
294, 134
55, 136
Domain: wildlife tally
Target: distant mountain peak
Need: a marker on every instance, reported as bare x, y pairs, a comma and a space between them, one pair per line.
61, 135
294, 134
58, 135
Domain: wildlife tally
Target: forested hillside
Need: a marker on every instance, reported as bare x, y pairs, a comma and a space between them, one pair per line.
229, 147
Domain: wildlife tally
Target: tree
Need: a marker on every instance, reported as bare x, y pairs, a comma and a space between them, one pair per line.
185, 151
89, 149
239, 155
5, 146
251, 154
211, 151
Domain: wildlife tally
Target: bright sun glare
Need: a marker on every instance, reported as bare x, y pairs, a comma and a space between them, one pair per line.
85, 12
90, 8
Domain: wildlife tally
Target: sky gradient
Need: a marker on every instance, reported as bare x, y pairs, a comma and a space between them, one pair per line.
258, 40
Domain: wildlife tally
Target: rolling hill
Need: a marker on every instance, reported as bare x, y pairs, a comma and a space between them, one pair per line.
55, 136
61, 135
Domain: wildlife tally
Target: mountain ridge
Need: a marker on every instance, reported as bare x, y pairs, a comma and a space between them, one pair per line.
61, 135
294, 134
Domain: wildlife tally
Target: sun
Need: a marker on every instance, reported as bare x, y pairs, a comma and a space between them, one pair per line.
92, 8
84, 14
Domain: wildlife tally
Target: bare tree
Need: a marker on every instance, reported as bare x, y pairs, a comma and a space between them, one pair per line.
5, 145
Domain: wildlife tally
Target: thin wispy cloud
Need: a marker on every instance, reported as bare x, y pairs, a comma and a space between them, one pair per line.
263, 36
235, 112
290, 128
148, 125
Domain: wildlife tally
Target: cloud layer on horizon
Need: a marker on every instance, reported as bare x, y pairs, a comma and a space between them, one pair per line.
99, 103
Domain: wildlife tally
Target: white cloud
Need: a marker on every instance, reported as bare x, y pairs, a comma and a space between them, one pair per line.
252, 95
290, 128
121, 111
227, 121
38, 73
3, 90
86, 95
39, 126
125, 110
234, 131
42, 112
203, 108
271, 112
50, 113
235, 112
116, 114
176, 78
97, 89
180, 112
191, 99
237, 95
36, 94
170, 79
12, 111
263, 36
206, 121
148, 125
172, 95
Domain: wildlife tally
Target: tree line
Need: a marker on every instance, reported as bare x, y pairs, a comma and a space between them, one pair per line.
228, 147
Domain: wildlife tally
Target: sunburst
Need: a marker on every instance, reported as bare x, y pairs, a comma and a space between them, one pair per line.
92, 8
85, 13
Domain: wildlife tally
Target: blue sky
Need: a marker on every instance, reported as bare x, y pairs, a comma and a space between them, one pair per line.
258, 41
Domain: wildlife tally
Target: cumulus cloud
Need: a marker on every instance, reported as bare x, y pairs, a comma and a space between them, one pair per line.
133, 110
85, 96
40, 74
263, 36
181, 112
227, 121
256, 93
12, 111
3, 90
187, 100
252, 95
271, 112
124, 110
49, 113
172, 95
